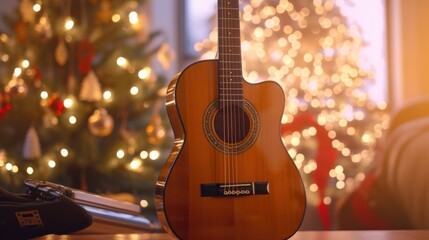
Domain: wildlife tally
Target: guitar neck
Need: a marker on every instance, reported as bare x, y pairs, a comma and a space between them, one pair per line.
230, 68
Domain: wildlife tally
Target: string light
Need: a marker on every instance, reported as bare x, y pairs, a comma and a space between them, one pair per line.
64, 152
52, 163
133, 17
69, 23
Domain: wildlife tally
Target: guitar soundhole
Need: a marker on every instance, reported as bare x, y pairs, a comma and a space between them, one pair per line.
231, 124
231, 129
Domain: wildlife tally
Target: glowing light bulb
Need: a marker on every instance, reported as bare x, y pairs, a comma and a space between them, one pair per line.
69, 23
107, 96
122, 62
25, 63
68, 103
145, 73
136, 163
120, 153
133, 17
144, 203
116, 18
44, 95
64, 152
134, 90
37, 7
154, 155
52, 163
72, 120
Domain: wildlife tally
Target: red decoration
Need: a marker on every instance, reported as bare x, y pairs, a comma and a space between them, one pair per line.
5, 105
85, 54
56, 104
325, 158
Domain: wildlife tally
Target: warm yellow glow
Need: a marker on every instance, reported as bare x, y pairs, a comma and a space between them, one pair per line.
9, 166
314, 187
144, 73
37, 7
133, 17
122, 62
116, 18
107, 95
144, 154
144, 203
154, 154
52, 163
44, 95
64, 152
69, 23
68, 103
25, 63
136, 163
72, 120
120, 153
30, 170
17, 72
134, 90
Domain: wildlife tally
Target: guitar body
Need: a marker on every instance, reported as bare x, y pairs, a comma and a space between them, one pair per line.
199, 160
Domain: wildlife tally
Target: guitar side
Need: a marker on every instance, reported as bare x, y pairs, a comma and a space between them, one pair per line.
194, 161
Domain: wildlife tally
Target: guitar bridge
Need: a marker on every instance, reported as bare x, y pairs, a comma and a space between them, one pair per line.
234, 190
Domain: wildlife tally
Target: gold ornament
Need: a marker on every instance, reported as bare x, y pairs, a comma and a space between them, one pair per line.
61, 54
90, 90
100, 123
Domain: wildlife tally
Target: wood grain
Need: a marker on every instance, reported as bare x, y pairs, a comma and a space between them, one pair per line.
194, 161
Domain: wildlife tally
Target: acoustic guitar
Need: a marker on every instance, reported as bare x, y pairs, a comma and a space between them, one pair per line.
228, 175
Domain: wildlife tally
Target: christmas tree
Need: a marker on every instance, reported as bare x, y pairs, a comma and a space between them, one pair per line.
330, 124
80, 101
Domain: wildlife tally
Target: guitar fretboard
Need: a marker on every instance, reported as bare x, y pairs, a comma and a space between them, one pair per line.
230, 68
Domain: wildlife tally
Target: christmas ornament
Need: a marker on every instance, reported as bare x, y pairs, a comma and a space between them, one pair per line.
17, 87
5, 104
104, 14
61, 54
85, 54
100, 123
165, 56
31, 149
56, 104
90, 90
36, 75
26, 10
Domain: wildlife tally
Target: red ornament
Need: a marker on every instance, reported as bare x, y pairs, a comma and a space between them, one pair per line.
56, 104
5, 105
85, 54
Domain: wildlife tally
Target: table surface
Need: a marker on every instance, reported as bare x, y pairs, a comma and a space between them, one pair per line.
300, 235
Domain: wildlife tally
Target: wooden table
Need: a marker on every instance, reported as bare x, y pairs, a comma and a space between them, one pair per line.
301, 235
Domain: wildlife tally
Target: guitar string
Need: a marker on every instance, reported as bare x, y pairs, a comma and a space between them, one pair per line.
229, 112
222, 87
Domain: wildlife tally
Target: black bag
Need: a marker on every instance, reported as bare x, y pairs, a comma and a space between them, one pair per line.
35, 214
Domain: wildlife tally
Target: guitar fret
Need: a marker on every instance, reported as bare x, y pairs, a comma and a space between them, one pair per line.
230, 66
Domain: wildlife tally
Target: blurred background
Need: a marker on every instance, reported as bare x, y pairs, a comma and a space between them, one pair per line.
82, 87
